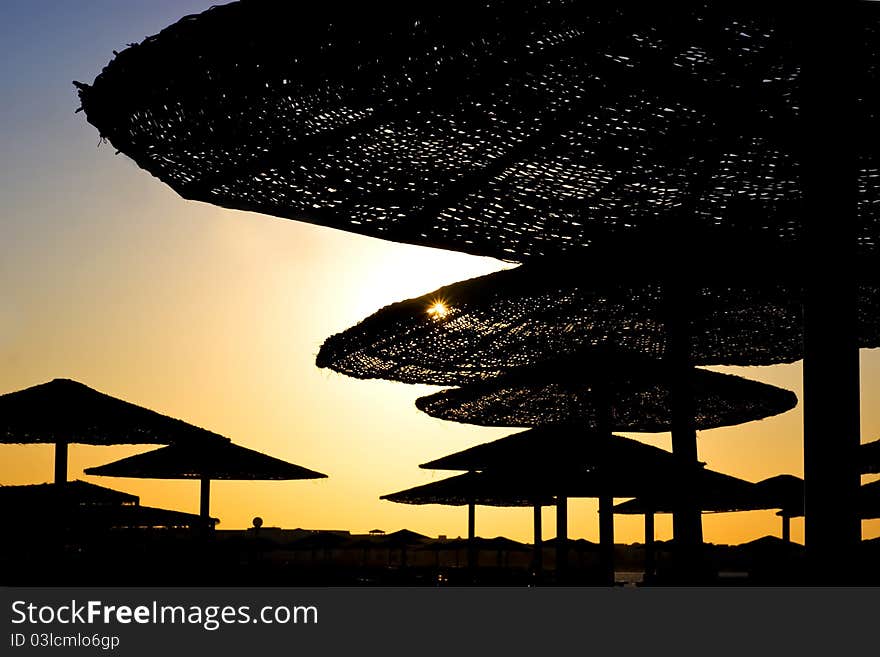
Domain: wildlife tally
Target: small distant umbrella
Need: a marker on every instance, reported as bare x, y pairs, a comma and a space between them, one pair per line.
137, 517
76, 494
402, 540
64, 412
554, 447
474, 489
87, 506
216, 460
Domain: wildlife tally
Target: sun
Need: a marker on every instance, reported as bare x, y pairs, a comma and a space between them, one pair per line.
438, 309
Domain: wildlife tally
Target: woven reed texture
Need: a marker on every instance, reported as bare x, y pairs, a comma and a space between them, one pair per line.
549, 447
210, 461
507, 128
67, 411
527, 486
540, 311
720, 400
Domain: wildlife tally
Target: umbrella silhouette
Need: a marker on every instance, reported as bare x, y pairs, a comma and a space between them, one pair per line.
86, 507
525, 131
471, 490
510, 130
528, 484
784, 492
636, 404
550, 449
62, 412
550, 313
215, 460
76, 493
605, 394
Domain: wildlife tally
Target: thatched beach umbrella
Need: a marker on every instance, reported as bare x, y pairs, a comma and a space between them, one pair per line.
537, 485
611, 392
562, 447
63, 412
85, 506
472, 490
784, 492
515, 130
527, 130
491, 325
548, 449
76, 494
639, 403
216, 460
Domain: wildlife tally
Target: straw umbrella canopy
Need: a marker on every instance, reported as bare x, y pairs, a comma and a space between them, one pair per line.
784, 492
547, 448
86, 506
472, 490
514, 130
62, 412
216, 460
525, 130
525, 485
639, 404
614, 393
484, 327
76, 493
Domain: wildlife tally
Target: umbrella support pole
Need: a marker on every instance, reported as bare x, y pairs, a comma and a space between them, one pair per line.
786, 529
471, 547
538, 558
60, 463
649, 546
205, 501
831, 357
606, 502
687, 525
606, 538
561, 539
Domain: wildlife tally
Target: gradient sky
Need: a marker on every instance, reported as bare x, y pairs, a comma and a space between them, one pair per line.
215, 316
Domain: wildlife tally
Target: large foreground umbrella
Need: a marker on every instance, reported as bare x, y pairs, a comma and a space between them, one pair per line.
62, 412
525, 130
220, 460
506, 128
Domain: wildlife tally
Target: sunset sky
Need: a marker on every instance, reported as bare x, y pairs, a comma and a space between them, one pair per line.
215, 316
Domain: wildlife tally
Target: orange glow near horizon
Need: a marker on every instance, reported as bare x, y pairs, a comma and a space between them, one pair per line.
215, 317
